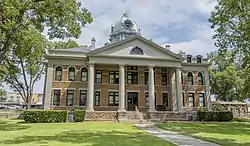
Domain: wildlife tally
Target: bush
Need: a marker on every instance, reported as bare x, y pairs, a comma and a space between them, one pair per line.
214, 116
45, 116
79, 115
237, 119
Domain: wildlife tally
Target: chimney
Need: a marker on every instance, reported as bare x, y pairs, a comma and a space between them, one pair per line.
93, 43
167, 47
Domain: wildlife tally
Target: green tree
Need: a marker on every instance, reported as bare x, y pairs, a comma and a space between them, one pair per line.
226, 77
25, 62
64, 45
63, 18
231, 21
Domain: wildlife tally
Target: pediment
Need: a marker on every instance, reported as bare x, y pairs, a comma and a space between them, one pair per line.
136, 47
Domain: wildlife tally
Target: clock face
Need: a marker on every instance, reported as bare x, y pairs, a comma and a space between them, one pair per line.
127, 23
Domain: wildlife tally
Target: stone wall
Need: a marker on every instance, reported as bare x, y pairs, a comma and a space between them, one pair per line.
153, 116
101, 116
239, 109
170, 116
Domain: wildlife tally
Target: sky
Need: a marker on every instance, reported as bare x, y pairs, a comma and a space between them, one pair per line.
182, 24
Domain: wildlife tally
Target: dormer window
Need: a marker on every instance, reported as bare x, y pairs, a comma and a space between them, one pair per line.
189, 58
199, 57
136, 51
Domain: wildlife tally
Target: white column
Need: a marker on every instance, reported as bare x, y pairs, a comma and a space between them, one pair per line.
178, 89
48, 86
173, 89
121, 89
151, 88
208, 97
90, 99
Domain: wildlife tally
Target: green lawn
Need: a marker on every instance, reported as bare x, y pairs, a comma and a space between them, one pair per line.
228, 134
13, 133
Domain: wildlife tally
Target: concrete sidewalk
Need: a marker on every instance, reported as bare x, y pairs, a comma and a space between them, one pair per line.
174, 137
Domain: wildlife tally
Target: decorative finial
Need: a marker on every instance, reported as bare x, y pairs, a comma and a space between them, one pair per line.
125, 15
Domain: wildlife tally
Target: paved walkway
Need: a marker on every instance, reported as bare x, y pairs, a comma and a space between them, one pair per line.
174, 137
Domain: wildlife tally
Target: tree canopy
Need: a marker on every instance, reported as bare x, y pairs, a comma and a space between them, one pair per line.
22, 45
62, 18
230, 68
25, 62
64, 45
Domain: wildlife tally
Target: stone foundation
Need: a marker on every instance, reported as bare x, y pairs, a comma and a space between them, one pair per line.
160, 116
171, 116
101, 116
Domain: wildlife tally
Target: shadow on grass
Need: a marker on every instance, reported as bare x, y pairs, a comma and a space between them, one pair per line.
235, 129
97, 138
8, 126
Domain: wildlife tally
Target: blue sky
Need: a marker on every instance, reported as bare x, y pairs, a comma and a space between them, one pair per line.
180, 23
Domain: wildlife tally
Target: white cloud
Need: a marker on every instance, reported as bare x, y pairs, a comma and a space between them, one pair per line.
155, 19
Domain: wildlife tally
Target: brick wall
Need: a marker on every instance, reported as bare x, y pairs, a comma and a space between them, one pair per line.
196, 89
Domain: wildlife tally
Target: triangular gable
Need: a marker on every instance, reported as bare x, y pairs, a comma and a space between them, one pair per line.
159, 52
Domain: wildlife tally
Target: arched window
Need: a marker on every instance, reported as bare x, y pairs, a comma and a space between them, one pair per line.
84, 74
58, 73
136, 51
200, 79
190, 78
71, 74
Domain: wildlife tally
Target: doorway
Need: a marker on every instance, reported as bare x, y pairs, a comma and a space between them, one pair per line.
132, 100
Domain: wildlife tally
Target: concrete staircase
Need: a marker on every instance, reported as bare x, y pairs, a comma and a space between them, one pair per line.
136, 117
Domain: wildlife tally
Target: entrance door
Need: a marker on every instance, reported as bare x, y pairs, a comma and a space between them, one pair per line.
132, 100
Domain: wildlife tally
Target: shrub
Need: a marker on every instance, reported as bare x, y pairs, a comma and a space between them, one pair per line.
45, 116
79, 115
238, 119
214, 116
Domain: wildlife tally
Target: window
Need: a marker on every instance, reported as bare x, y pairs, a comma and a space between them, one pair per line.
198, 60
164, 76
56, 99
114, 77
183, 100
70, 96
132, 75
84, 75
200, 79
165, 99
83, 97
190, 78
98, 76
113, 98
136, 51
182, 78
146, 74
189, 59
199, 57
97, 98
191, 99
147, 99
202, 101
71, 76
58, 74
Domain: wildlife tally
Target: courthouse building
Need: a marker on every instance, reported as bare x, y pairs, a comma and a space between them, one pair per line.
131, 71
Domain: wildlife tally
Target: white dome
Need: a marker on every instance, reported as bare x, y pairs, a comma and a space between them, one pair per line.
125, 24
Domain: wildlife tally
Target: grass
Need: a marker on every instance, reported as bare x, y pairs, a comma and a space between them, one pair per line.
227, 134
13, 133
